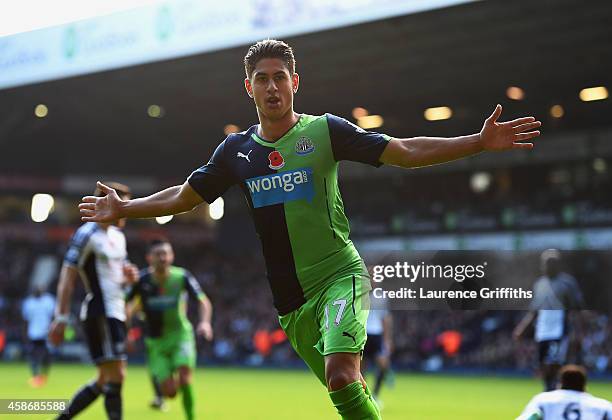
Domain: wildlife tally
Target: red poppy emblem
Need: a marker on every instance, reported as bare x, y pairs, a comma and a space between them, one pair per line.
276, 160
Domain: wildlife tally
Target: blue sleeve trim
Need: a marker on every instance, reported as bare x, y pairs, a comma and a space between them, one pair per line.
213, 179
350, 142
193, 287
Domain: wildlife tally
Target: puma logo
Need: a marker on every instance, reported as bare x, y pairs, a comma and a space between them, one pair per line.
242, 155
345, 334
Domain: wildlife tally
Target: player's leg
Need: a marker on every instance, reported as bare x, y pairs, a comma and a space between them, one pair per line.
185, 384
168, 387
35, 362
160, 365
364, 365
306, 341
382, 363
347, 388
371, 352
542, 354
46, 361
343, 315
113, 365
34, 365
90, 391
39, 357
184, 362
302, 333
114, 374
342, 369
158, 400
553, 354
310, 345
549, 374
83, 398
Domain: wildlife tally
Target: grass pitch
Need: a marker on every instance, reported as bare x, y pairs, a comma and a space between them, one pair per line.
237, 394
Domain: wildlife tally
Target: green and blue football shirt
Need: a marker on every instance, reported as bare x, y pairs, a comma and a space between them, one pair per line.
164, 303
291, 186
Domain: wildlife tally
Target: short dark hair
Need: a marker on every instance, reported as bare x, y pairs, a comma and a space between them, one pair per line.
268, 48
573, 377
123, 191
156, 241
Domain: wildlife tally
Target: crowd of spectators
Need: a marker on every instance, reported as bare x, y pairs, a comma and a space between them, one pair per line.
244, 318
552, 196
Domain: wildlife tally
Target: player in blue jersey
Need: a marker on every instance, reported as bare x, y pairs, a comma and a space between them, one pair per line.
287, 167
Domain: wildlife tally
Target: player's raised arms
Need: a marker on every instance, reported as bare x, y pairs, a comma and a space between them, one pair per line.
173, 200
494, 136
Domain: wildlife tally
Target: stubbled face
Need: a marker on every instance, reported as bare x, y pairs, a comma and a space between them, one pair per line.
272, 88
160, 257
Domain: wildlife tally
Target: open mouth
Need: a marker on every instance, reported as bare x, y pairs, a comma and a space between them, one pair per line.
274, 101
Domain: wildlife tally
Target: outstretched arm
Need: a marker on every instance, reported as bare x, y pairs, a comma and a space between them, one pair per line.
494, 136
107, 209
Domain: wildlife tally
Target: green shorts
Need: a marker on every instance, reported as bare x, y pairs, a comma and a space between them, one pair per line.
333, 321
166, 354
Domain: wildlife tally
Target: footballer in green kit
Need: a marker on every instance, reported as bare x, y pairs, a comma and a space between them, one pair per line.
162, 290
286, 167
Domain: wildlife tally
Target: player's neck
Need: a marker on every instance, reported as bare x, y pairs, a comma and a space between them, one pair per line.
272, 130
162, 274
103, 226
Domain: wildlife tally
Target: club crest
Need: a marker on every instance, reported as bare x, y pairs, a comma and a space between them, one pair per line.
304, 146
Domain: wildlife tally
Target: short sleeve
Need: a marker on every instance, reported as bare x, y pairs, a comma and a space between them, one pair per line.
213, 179
193, 287
535, 300
350, 142
77, 246
575, 294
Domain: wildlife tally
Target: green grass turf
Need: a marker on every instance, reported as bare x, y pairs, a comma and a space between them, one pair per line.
230, 393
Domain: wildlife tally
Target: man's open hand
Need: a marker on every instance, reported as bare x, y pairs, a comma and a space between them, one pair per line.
101, 209
498, 136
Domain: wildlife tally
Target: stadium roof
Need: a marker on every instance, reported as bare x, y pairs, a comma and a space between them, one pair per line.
464, 57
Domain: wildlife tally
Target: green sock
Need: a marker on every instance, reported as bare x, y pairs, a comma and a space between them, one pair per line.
353, 403
371, 397
187, 392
